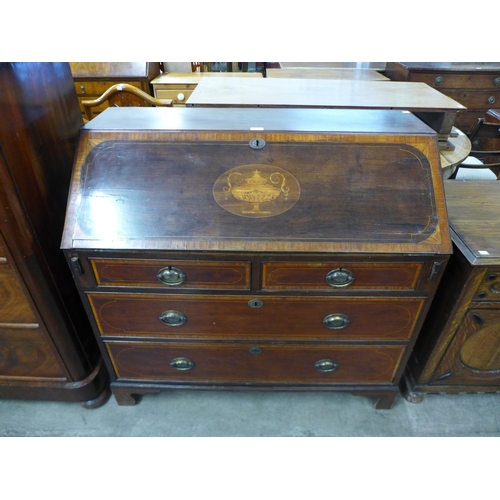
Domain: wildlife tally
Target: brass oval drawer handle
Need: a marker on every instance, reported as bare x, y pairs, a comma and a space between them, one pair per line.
171, 276
491, 100
438, 80
339, 278
336, 321
173, 318
326, 365
182, 364
496, 81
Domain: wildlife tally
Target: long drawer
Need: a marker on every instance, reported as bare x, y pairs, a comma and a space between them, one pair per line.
205, 316
171, 273
244, 363
475, 99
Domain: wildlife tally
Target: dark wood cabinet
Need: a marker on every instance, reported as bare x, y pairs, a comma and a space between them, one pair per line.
256, 249
47, 350
459, 348
474, 85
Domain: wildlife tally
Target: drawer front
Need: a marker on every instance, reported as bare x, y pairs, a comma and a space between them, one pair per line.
244, 363
340, 276
177, 96
172, 274
14, 306
489, 289
238, 317
457, 80
475, 99
27, 354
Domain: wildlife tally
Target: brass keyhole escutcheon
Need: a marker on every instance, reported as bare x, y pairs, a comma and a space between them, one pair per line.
257, 143
255, 303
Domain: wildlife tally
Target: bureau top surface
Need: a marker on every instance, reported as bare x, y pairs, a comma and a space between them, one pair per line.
257, 180
298, 92
474, 215
256, 119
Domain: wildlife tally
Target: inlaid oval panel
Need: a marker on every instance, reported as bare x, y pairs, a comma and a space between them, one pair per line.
256, 190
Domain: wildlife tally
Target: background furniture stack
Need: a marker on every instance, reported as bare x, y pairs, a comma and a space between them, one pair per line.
475, 85
47, 350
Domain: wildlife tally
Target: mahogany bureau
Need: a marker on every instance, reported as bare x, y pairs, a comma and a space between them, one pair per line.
459, 347
256, 249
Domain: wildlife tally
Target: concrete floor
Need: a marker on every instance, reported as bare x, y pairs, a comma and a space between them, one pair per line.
254, 414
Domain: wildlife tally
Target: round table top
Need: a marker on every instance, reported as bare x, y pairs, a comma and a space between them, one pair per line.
462, 149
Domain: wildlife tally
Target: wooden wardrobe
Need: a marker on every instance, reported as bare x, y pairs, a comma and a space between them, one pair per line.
47, 350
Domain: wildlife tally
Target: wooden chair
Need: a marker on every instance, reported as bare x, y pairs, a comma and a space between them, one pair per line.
485, 139
123, 94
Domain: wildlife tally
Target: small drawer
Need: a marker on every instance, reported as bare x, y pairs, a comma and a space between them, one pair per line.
263, 317
14, 306
340, 276
170, 274
255, 363
489, 289
26, 353
177, 96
